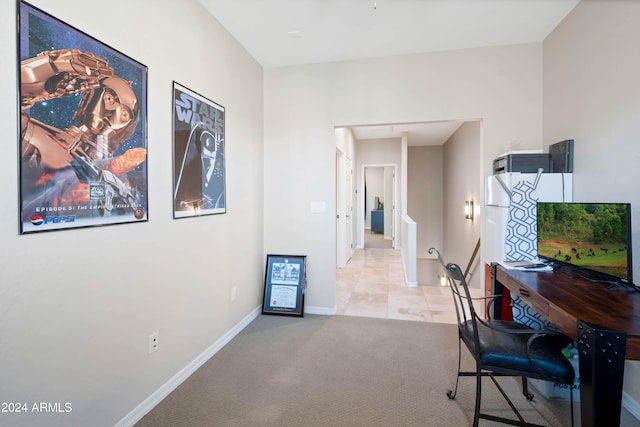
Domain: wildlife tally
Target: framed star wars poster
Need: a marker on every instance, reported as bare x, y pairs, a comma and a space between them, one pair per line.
198, 154
82, 131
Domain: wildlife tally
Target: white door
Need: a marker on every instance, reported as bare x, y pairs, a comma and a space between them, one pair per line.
348, 207
344, 209
389, 208
339, 216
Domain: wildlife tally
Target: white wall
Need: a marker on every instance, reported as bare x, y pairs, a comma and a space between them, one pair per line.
346, 142
592, 95
462, 182
501, 85
77, 306
425, 196
425, 206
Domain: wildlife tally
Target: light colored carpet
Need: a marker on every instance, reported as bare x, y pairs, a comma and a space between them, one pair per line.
341, 371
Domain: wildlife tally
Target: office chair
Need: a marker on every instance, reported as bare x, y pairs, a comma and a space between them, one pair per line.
504, 348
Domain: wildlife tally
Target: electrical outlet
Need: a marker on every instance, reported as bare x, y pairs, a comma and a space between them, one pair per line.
233, 294
154, 339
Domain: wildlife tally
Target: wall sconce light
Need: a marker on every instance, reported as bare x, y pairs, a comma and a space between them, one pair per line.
468, 209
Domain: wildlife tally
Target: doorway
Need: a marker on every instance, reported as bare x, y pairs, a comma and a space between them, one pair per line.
378, 201
344, 209
370, 146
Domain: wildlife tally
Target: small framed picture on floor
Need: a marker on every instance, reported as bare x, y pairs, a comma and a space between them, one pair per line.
285, 283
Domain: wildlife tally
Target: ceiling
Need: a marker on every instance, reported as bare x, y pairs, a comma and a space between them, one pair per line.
427, 133
280, 33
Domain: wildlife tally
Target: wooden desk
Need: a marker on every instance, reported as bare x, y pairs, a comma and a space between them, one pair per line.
565, 301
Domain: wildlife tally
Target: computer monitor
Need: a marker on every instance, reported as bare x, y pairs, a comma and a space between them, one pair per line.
591, 240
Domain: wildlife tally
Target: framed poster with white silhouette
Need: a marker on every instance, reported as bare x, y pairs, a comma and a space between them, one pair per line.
198, 154
83, 128
285, 283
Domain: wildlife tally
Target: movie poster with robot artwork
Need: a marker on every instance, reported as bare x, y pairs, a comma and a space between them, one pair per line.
198, 155
83, 130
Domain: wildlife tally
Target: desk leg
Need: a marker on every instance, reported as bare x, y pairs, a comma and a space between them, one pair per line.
602, 355
501, 307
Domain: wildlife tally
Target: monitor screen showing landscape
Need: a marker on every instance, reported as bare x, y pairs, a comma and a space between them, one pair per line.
595, 237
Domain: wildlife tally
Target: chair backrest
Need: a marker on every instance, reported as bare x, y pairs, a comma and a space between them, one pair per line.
465, 310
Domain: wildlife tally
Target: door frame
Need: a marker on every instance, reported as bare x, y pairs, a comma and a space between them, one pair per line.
388, 210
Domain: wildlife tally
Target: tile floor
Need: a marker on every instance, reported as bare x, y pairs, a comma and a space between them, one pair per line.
372, 285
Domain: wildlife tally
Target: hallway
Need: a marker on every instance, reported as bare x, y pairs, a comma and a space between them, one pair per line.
372, 285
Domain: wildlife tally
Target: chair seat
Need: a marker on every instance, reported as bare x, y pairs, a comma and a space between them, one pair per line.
505, 352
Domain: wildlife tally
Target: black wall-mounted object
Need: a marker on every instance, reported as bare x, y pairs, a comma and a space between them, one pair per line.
561, 156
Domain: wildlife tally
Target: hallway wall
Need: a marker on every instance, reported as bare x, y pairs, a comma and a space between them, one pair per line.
77, 306
463, 181
425, 199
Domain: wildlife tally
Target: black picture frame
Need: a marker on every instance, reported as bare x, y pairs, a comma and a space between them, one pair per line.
83, 128
285, 283
198, 154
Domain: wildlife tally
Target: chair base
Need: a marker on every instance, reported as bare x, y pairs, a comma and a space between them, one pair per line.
508, 421
451, 394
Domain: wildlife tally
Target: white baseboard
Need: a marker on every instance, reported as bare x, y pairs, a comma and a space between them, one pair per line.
325, 311
631, 405
156, 397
